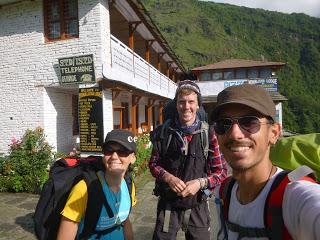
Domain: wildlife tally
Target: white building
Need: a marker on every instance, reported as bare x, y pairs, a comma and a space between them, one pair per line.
213, 78
133, 65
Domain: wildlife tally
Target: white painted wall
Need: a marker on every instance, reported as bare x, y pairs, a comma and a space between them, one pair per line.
58, 118
28, 65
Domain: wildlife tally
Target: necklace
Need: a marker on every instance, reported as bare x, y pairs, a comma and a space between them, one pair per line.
260, 190
115, 197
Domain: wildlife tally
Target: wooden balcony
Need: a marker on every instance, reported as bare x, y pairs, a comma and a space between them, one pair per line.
129, 68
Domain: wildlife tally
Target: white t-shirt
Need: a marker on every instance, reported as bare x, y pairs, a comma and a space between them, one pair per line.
300, 208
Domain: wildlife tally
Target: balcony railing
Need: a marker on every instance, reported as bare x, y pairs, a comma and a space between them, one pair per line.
130, 68
212, 88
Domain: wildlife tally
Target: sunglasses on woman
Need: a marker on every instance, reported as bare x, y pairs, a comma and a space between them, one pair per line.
121, 152
250, 124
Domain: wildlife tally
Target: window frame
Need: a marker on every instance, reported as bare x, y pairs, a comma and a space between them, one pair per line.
62, 20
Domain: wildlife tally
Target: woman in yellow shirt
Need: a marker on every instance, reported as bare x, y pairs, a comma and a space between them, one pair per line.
119, 152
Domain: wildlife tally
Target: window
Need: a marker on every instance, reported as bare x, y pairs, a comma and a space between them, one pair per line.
265, 73
253, 73
241, 74
61, 19
205, 76
228, 75
217, 76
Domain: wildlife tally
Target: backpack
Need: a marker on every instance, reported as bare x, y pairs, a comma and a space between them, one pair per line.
273, 219
292, 152
63, 175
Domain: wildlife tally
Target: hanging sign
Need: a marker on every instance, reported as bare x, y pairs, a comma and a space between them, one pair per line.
79, 69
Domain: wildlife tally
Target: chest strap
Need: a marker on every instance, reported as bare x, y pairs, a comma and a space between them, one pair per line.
247, 232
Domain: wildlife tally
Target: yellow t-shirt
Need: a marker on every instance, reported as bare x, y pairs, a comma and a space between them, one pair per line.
76, 204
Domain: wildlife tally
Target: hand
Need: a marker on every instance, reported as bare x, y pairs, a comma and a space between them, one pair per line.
176, 184
192, 187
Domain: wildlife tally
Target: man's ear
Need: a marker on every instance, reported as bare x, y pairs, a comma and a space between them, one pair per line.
275, 133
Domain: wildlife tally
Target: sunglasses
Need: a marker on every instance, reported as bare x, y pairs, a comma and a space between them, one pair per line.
121, 152
250, 124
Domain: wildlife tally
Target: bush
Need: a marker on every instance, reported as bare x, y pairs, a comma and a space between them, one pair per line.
25, 168
143, 154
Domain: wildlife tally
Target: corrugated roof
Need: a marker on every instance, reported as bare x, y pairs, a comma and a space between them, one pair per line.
238, 63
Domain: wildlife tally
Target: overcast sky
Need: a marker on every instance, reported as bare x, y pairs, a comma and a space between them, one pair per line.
310, 7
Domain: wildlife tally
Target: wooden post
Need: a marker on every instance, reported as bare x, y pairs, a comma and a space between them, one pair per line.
132, 28
135, 101
149, 112
161, 112
168, 69
148, 45
159, 56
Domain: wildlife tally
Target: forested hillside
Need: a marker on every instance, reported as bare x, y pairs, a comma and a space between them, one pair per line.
205, 32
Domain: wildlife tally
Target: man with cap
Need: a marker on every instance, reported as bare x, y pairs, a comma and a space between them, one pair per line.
119, 152
245, 123
183, 169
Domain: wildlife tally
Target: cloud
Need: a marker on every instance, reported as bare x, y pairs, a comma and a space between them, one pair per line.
310, 7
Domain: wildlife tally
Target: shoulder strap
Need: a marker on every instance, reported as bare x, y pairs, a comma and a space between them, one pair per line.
244, 232
96, 199
165, 137
204, 134
273, 218
131, 188
225, 195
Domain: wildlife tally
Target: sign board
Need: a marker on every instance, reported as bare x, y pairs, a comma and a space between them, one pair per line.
90, 119
234, 83
270, 84
78, 69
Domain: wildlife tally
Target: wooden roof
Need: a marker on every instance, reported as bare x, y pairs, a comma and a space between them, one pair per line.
276, 97
238, 63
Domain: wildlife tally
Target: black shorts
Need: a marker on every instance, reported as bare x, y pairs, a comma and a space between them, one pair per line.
198, 225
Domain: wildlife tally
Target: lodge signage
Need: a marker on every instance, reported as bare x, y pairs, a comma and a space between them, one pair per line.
270, 84
90, 119
78, 69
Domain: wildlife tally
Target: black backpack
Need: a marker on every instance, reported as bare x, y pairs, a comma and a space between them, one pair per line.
64, 174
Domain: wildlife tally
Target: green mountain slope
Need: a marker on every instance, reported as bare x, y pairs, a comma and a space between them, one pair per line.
205, 32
